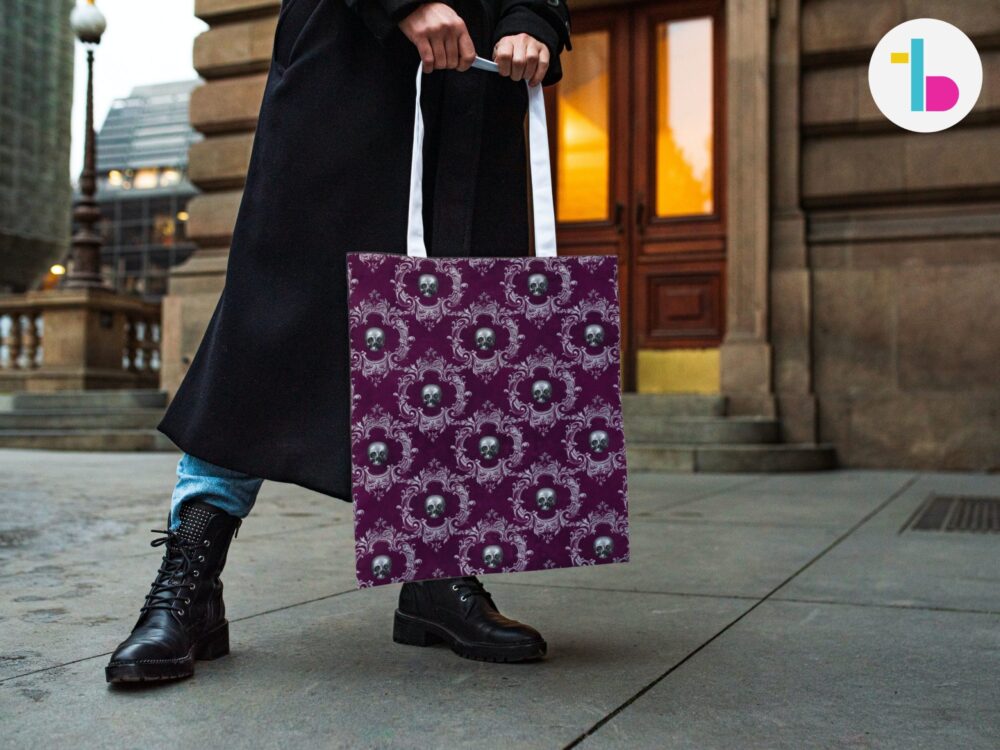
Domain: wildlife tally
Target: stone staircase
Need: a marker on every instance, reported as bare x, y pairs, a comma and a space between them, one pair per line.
84, 421
691, 433
671, 432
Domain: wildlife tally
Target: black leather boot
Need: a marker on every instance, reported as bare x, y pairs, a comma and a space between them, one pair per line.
184, 617
461, 613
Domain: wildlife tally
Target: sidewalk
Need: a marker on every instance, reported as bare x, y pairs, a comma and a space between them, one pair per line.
782, 611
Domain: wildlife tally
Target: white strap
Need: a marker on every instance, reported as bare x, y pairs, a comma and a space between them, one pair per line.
541, 174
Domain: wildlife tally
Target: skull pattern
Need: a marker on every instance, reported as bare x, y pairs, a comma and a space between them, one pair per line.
381, 567
594, 334
428, 284
545, 498
492, 555
434, 506
541, 392
489, 446
598, 441
378, 453
486, 339
375, 339
603, 547
430, 394
538, 284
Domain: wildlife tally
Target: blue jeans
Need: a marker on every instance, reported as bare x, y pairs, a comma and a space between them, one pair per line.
231, 491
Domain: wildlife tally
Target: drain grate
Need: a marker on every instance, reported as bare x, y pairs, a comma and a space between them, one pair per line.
957, 513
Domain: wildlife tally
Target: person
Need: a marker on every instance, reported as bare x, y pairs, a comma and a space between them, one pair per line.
267, 394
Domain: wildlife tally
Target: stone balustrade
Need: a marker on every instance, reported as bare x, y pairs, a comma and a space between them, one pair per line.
78, 340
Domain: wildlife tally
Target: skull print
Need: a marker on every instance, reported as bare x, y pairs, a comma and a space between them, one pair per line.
381, 567
598, 441
434, 506
538, 284
378, 453
375, 339
428, 284
489, 446
603, 547
430, 394
545, 498
541, 392
486, 339
594, 335
492, 555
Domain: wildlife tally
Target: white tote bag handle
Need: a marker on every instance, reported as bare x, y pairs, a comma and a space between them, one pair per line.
541, 175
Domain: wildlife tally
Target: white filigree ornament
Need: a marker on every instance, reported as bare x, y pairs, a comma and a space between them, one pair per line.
494, 545
383, 464
435, 504
443, 394
598, 422
493, 430
482, 319
374, 318
385, 551
585, 333
537, 371
535, 293
418, 283
596, 537
546, 497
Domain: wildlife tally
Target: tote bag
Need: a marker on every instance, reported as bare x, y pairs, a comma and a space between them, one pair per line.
486, 426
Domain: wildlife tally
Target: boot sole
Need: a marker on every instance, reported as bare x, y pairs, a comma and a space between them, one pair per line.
212, 645
415, 631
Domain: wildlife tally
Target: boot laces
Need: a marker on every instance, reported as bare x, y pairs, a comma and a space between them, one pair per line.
168, 590
470, 586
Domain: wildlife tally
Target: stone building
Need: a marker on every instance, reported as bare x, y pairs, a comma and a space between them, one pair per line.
781, 243
36, 98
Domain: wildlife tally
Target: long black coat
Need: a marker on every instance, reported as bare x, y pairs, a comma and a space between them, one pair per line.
268, 391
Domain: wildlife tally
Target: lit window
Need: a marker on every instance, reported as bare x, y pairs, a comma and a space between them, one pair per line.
169, 177
145, 179
114, 178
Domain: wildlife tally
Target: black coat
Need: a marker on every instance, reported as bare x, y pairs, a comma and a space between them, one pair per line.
268, 392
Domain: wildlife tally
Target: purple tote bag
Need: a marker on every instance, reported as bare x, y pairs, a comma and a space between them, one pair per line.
486, 426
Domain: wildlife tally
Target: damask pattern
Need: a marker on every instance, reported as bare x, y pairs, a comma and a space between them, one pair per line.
486, 427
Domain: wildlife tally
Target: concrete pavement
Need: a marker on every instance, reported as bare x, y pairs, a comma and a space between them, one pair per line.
781, 611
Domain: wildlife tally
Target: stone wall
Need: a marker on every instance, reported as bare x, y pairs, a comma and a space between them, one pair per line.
903, 237
232, 57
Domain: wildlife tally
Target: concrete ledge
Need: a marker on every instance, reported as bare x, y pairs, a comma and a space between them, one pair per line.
646, 428
726, 459
227, 106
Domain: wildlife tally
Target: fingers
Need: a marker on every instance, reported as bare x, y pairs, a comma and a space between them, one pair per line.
440, 55
466, 51
522, 58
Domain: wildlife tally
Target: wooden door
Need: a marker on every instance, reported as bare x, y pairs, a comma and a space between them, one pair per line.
638, 150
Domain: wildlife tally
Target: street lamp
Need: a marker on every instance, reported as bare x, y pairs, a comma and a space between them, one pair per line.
85, 268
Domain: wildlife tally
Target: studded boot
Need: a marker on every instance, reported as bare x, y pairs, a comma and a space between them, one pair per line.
184, 617
460, 613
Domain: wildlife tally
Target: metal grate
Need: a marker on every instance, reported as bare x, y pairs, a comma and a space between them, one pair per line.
957, 513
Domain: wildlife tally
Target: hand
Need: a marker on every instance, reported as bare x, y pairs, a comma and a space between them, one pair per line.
440, 36
522, 57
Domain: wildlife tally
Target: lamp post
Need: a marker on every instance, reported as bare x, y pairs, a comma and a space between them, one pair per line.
85, 268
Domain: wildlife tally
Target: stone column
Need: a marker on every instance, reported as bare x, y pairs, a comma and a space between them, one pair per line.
791, 278
233, 58
745, 356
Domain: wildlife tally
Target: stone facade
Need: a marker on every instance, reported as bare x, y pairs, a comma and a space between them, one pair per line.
863, 260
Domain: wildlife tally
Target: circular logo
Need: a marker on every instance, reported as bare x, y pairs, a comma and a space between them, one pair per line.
925, 75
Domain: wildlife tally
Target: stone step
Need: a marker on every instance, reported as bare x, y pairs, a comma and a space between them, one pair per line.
87, 440
75, 419
673, 404
648, 428
84, 400
725, 459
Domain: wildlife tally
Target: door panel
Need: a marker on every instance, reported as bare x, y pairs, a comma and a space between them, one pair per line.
639, 156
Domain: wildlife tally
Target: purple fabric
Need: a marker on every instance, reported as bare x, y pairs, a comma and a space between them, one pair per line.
486, 427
